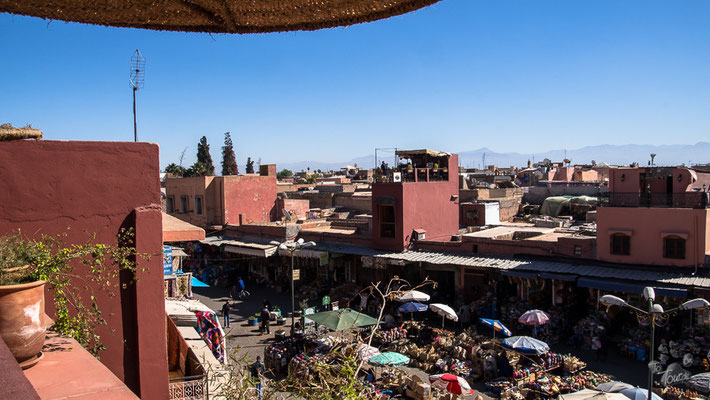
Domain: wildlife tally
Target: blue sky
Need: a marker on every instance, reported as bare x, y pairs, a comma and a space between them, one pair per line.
523, 76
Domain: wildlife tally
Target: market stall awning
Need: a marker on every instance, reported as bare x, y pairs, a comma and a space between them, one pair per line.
558, 277
303, 253
244, 246
340, 320
250, 250
176, 230
654, 275
629, 287
519, 274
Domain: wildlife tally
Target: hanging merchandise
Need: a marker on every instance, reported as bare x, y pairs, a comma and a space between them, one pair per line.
209, 329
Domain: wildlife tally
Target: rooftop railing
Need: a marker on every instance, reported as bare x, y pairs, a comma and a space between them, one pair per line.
189, 388
659, 200
416, 175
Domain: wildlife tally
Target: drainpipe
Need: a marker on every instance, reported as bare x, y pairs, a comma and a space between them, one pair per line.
697, 237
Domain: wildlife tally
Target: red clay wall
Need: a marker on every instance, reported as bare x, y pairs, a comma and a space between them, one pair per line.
564, 247
297, 207
419, 205
249, 199
53, 187
646, 226
382, 191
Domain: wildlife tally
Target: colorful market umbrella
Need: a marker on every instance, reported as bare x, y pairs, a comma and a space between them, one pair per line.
452, 383
413, 295
497, 326
445, 312
534, 318
389, 358
588, 394
526, 345
412, 307
639, 394
340, 320
699, 382
198, 283
613, 386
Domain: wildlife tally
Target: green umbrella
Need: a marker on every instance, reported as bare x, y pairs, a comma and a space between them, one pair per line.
389, 358
340, 320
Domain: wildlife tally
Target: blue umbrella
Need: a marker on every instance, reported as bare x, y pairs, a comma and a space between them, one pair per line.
497, 326
639, 394
526, 345
412, 307
198, 283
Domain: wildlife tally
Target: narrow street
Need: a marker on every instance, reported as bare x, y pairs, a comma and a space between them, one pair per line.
240, 334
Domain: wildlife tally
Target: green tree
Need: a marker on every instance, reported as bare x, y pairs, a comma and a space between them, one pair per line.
197, 169
176, 170
229, 160
250, 166
311, 179
284, 173
204, 157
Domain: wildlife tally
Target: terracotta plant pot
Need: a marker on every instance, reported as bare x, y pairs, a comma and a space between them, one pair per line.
22, 319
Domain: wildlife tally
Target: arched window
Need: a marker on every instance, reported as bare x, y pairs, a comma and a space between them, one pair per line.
673, 247
620, 244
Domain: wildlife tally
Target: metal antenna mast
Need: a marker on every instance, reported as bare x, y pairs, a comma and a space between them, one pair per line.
137, 80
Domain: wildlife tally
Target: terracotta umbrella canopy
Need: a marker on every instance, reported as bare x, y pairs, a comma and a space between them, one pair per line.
216, 16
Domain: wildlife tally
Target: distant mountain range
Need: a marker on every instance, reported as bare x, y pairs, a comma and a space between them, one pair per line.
675, 154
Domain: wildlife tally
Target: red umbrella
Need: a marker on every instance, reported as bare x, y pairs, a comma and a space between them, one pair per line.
452, 383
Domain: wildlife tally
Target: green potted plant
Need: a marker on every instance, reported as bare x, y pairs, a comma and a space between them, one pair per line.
28, 265
253, 320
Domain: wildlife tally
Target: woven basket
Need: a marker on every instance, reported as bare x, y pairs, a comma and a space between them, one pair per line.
9, 132
216, 16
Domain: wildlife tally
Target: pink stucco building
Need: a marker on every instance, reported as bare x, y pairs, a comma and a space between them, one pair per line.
655, 216
223, 200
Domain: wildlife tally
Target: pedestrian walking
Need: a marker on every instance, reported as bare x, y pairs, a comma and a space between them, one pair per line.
257, 374
226, 308
265, 317
597, 346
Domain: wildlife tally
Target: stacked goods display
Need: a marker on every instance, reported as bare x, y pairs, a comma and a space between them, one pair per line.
674, 393
278, 355
447, 353
388, 336
573, 364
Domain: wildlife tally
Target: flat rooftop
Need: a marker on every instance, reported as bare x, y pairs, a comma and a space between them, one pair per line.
508, 229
